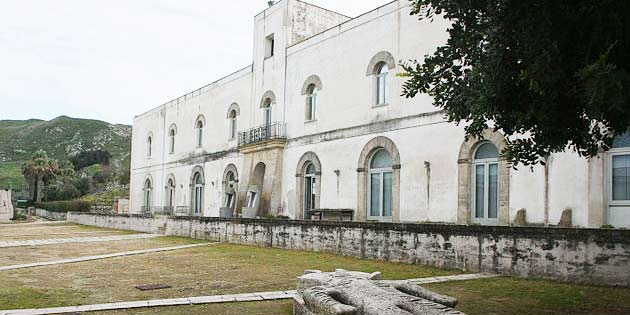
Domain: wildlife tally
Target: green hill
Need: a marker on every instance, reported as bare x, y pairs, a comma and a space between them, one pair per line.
60, 137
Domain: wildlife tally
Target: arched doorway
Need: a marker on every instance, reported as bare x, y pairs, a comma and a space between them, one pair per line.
308, 182
148, 196
170, 193
197, 185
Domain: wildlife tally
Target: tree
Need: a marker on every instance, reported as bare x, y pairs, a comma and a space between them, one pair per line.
549, 75
38, 171
89, 158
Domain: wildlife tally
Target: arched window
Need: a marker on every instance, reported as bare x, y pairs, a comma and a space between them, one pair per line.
171, 139
380, 185
486, 182
170, 193
199, 128
233, 124
149, 146
267, 111
310, 189
148, 194
381, 71
311, 102
197, 193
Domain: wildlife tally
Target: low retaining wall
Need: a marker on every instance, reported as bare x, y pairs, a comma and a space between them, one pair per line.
590, 256
130, 222
50, 215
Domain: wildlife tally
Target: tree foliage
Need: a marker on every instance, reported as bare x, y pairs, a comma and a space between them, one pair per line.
548, 74
89, 158
38, 171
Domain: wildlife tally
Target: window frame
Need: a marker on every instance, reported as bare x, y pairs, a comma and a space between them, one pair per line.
198, 191
233, 125
171, 135
380, 80
199, 126
310, 110
148, 193
381, 172
486, 163
149, 146
609, 181
267, 112
310, 179
270, 46
170, 193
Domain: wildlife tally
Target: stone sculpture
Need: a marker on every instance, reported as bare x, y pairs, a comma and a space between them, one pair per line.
357, 293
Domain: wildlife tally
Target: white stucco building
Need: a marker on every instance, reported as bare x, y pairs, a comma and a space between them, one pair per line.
316, 125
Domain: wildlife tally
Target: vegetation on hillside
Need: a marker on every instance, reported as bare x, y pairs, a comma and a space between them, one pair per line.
84, 157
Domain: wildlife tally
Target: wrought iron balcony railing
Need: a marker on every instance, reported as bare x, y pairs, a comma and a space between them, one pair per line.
262, 133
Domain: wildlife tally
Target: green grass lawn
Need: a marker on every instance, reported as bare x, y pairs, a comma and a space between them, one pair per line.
509, 296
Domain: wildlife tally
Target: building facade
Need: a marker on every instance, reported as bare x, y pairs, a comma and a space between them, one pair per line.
316, 128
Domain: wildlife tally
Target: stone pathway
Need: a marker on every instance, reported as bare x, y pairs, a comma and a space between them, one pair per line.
52, 241
41, 222
97, 257
245, 297
462, 277
70, 233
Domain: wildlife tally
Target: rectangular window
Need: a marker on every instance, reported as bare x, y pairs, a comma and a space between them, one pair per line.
232, 128
268, 116
621, 177
388, 181
493, 190
270, 44
308, 194
381, 88
375, 195
480, 179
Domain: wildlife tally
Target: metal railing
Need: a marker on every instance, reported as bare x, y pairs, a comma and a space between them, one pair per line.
262, 133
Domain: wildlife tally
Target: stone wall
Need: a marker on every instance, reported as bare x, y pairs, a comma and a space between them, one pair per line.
591, 256
50, 215
130, 222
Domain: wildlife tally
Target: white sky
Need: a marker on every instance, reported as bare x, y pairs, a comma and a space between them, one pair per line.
111, 60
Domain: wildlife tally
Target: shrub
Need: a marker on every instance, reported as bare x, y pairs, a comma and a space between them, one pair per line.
64, 206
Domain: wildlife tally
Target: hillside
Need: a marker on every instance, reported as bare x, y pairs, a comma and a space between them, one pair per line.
60, 137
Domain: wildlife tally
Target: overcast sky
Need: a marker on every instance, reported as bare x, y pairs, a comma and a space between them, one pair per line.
111, 60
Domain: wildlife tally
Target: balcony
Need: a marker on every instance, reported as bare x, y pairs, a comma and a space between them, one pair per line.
262, 134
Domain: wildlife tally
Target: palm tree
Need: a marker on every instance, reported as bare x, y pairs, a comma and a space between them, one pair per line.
38, 171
